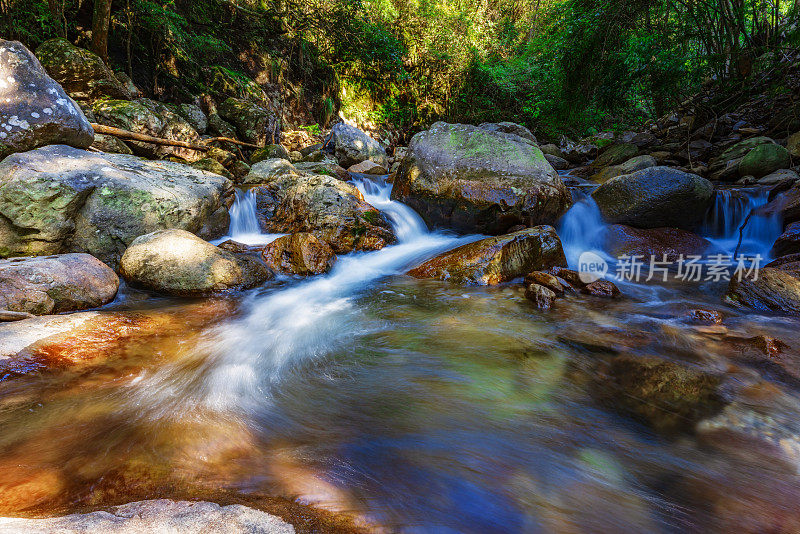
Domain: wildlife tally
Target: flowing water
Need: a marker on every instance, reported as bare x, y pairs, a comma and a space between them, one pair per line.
413, 406
244, 226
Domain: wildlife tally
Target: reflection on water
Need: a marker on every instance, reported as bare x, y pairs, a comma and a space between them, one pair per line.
414, 405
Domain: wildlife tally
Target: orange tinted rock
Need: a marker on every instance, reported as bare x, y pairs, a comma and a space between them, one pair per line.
301, 253
496, 259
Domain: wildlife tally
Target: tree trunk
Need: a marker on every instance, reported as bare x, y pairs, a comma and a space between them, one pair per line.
100, 23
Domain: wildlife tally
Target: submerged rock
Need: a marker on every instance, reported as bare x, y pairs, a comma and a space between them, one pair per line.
496, 259
472, 180
666, 395
331, 209
542, 296
601, 288
60, 199
81, 72
300, 253
163, 515
176, 262
34, 110
655, 197
55, 284
351, 146
657, 242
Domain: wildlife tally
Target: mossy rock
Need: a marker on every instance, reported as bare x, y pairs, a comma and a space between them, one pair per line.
764, 159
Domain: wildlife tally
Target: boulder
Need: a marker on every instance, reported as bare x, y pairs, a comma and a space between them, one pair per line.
269, 152
212, 165
55, 284
324, 167
616, 154
552, 150
775, 289
80, 72
764, 159
559, 164
34, 110
61, 199
632, 165
268, 170
367, 167
666, 395
496, 259
472, 180
109, 143
601, 288
579, 152
540, 295
332, 210
793, 145
194, 116
350, 146
148, 517
622, 240
253, 123
779, 176
302, 253
726, 165
177, 262
788, 242
655, 197
153, 118
510, 128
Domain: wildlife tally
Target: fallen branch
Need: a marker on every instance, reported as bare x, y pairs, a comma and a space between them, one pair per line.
133, 136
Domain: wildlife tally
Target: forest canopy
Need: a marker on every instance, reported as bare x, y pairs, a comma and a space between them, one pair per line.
559, 66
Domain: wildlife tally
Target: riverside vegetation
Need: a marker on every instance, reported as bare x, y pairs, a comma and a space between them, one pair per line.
320, 266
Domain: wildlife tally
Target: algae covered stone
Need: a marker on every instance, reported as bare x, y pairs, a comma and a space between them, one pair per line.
469, 179
61, 199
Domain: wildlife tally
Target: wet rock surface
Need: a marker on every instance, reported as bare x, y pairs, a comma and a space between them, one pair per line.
655, 197
162, 515
496, 259
329, 208
300, 253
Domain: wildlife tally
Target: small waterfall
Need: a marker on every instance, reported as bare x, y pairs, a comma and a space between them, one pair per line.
730, 213
247, 356
581, 228
244, 227
243, 214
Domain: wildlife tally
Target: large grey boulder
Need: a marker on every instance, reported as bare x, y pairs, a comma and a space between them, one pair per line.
34, 110
55, 284
470, 179
332, 210
655, 197
177, 262
156, 516
61, 199
81, 72
268, 170
351, 146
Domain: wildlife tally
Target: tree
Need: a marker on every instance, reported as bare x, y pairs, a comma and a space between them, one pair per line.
101, 21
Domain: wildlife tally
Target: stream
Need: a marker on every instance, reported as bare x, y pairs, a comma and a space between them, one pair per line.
412, 405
